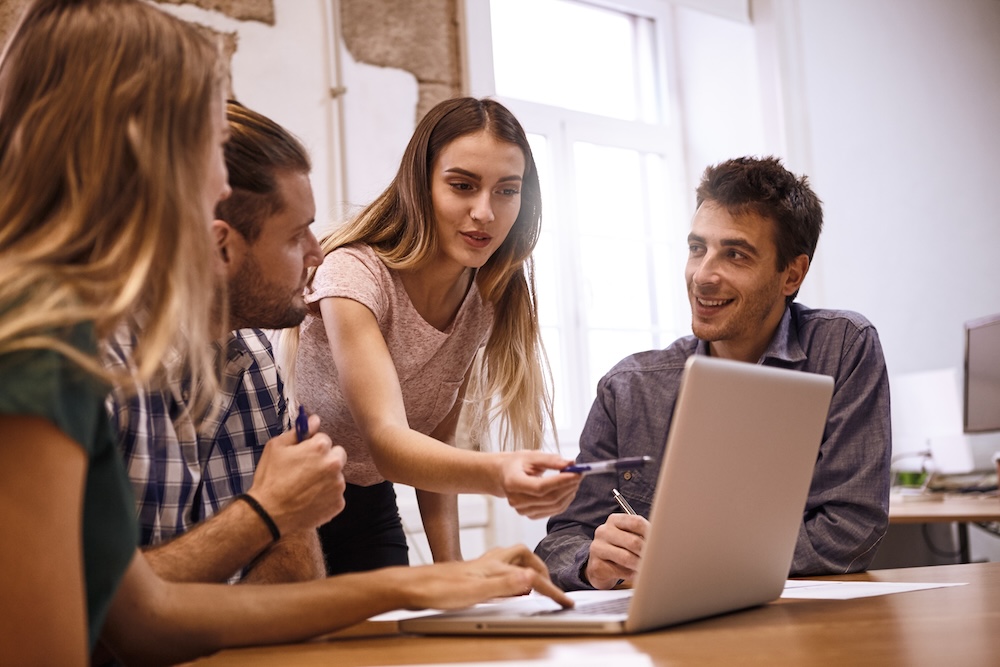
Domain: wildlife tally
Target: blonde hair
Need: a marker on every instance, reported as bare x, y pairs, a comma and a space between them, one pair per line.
511, 386
104, 137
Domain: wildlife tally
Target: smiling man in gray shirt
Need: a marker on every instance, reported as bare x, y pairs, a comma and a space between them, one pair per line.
751, 242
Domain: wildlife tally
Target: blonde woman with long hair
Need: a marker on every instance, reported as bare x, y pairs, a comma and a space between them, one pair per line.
437, 267
111, 132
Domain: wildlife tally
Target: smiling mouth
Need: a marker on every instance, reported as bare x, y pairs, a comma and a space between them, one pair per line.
712, 303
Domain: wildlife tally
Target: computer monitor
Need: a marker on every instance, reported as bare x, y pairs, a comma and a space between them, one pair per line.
982, 375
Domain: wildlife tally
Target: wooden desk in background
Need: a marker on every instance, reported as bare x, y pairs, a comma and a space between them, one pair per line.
958, 508
944, 626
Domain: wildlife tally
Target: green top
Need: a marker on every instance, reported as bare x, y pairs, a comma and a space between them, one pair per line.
44, 383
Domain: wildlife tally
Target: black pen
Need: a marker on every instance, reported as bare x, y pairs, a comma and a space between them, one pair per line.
301, 425
611, 465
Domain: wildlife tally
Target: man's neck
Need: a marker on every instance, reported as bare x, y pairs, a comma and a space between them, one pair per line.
748, 350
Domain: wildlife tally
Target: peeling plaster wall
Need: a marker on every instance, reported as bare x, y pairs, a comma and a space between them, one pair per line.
397, 58
9, 11
243, 10
419, 37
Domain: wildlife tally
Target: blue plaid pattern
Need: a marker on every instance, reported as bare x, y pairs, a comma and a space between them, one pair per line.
182, 472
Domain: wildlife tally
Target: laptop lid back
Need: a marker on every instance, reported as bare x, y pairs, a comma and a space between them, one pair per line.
731, 490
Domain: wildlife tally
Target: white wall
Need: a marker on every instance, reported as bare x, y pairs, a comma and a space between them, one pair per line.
285, 71
902, 102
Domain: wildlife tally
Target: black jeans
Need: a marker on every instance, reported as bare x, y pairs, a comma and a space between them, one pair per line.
368, 534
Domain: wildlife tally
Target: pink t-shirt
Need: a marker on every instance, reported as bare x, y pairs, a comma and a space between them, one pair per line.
431, 364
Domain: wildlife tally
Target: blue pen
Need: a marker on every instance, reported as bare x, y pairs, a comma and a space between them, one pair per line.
302, 425
612, 465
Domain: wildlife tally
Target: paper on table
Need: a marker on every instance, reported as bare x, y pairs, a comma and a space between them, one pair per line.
577, 660
802, 589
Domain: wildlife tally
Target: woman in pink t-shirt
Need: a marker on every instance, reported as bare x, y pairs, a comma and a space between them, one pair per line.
436, 269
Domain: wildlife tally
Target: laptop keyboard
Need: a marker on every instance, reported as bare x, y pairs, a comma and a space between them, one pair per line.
615, 606
600, 607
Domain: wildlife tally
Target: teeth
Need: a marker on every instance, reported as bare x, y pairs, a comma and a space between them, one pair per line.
706, 302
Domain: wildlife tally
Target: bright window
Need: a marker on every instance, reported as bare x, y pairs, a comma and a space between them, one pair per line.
579, 56
589, 82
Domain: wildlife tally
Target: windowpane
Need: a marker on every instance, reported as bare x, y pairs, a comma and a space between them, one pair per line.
672, 305
546, 280
609, 191
557, 363
545, 254
617, 283
570, 55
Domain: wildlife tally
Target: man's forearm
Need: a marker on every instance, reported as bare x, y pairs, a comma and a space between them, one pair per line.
214, 549
295, 557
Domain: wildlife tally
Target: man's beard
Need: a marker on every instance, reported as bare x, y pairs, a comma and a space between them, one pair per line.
255, 302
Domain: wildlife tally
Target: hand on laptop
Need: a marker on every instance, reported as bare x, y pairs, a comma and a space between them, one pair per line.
500, 572
616, 550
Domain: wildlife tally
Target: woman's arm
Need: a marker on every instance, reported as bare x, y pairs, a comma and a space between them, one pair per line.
155, 622
44, 611
370, 385
439, 511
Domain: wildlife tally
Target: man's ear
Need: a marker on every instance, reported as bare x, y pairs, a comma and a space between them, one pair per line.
230, 244
795, 273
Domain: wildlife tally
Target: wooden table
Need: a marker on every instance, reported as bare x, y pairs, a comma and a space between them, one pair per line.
944, 626
958, 508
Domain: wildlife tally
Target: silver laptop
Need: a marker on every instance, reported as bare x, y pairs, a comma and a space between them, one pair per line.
724, 520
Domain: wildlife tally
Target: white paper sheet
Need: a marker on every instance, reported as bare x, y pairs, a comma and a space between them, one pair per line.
803, 589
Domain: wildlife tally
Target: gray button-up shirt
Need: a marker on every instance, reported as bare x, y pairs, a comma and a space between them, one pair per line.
847, 511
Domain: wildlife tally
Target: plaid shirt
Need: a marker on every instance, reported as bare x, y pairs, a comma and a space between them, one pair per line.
182, 473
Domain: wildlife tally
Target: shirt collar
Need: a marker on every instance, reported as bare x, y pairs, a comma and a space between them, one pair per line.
784, 345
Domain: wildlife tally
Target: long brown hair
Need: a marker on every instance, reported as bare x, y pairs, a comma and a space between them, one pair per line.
399, 226
104, 134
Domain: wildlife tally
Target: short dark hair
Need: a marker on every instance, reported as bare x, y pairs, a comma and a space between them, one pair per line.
257, 150
764, 187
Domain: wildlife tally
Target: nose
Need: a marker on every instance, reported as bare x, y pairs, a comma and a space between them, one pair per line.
482, 208
705, 269
314, 251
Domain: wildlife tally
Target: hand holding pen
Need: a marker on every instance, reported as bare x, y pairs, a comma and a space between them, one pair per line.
617, 547
299, 481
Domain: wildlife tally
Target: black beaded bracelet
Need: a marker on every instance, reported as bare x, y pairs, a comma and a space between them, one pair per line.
264, 516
